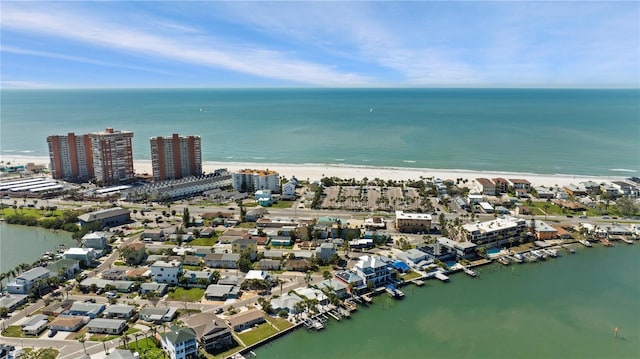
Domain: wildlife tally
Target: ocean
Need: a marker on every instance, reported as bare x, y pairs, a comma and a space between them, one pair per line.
562, 308
546, 131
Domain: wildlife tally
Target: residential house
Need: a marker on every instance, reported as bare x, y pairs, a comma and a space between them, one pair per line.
289, 190
280, 241
269, 264
221, 291
222, 260
412, 256
373, 269
134, 253
256, 275
325, 251
207, 232
298, 265
575, 190
180, 343
212, 335
273, 254
155, 235
485, 186
99, 241
518, 183
35, 324
351, 279
198, 277
413, 222
158, 314
12, 301
106, 326
120, 311
86, 255
23, 283
122, 354
311, 294
541, 230
463, 249
109, 217
241, 245
56, 308
166, 272
286, 302
91, 310
113, 274
67, 268
501, 184
159, 288
68, 324
246, 320
334, 285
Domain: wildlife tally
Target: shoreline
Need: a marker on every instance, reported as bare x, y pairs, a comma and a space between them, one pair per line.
315, 171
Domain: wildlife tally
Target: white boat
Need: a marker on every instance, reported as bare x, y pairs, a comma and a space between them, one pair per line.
518, 257
627, 241
503, 261
470, 272
530, 257
584, 242
539, 254
551, 252
441, 276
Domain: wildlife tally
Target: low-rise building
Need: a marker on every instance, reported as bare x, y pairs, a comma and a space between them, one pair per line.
98, 241
35, 325
91, 310
325, 251
159, 288
286, 302
166, 272
334, 285
109, 217
413, 222
485, 186
542, 231
68, 324
86, 255
120, 311
241, 245
221, 292
106, 326
246, 320
23, 283
158, 314
269, 264
494, 232
222, 260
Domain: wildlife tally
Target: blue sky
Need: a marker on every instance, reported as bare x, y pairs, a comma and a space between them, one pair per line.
329, 44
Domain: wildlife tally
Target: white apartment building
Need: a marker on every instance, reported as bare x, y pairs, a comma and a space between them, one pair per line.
166, 272
252, 180
494, 232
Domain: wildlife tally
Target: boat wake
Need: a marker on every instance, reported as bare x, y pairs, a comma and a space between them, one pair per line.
622, 170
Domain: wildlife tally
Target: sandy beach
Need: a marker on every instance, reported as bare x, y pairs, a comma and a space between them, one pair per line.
317, 171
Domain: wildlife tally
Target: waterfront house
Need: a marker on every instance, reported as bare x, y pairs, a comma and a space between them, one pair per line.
463, 249
158, 314
212, 335
541, 230
334, 285
99, 241
286, 302
412, 256
68, 324
159, 288
86, 255
35, 324
501, 184
166, 272
23, 283
351, 278
413, 222
246, 320
120, 311
312, 293
180, 343
91, 310
373, 269
67, 268
109, 217
518, 183
484, 186
289, 190
106, 326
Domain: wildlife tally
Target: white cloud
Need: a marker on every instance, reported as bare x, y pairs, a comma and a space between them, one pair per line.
211, 53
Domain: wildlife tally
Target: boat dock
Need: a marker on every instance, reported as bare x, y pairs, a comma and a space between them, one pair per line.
366, 298
503, 261
470, 272
418, 282
441, 276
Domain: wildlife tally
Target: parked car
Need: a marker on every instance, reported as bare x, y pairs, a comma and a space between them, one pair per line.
111, 294
52, 333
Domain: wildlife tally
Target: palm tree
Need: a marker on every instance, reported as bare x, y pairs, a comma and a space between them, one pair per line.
307, 278
82, 340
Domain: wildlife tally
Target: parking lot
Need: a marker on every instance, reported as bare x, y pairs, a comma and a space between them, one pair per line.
371, 198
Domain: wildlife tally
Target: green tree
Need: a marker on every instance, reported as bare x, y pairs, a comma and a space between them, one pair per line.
626, 206
185, 217
244, 263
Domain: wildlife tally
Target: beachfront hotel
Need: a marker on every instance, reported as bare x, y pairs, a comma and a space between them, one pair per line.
175, 157
252, 180
112, 156
71, 157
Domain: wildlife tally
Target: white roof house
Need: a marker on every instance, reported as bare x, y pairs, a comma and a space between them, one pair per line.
257, 274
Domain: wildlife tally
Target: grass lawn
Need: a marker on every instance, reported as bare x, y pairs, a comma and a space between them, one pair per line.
410, 276
224, 354
190, 267
146, 347
44, 353
186, 295
258, 333
203, 241
279, 323
105, 337
283, 204
13, 331
246, 225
